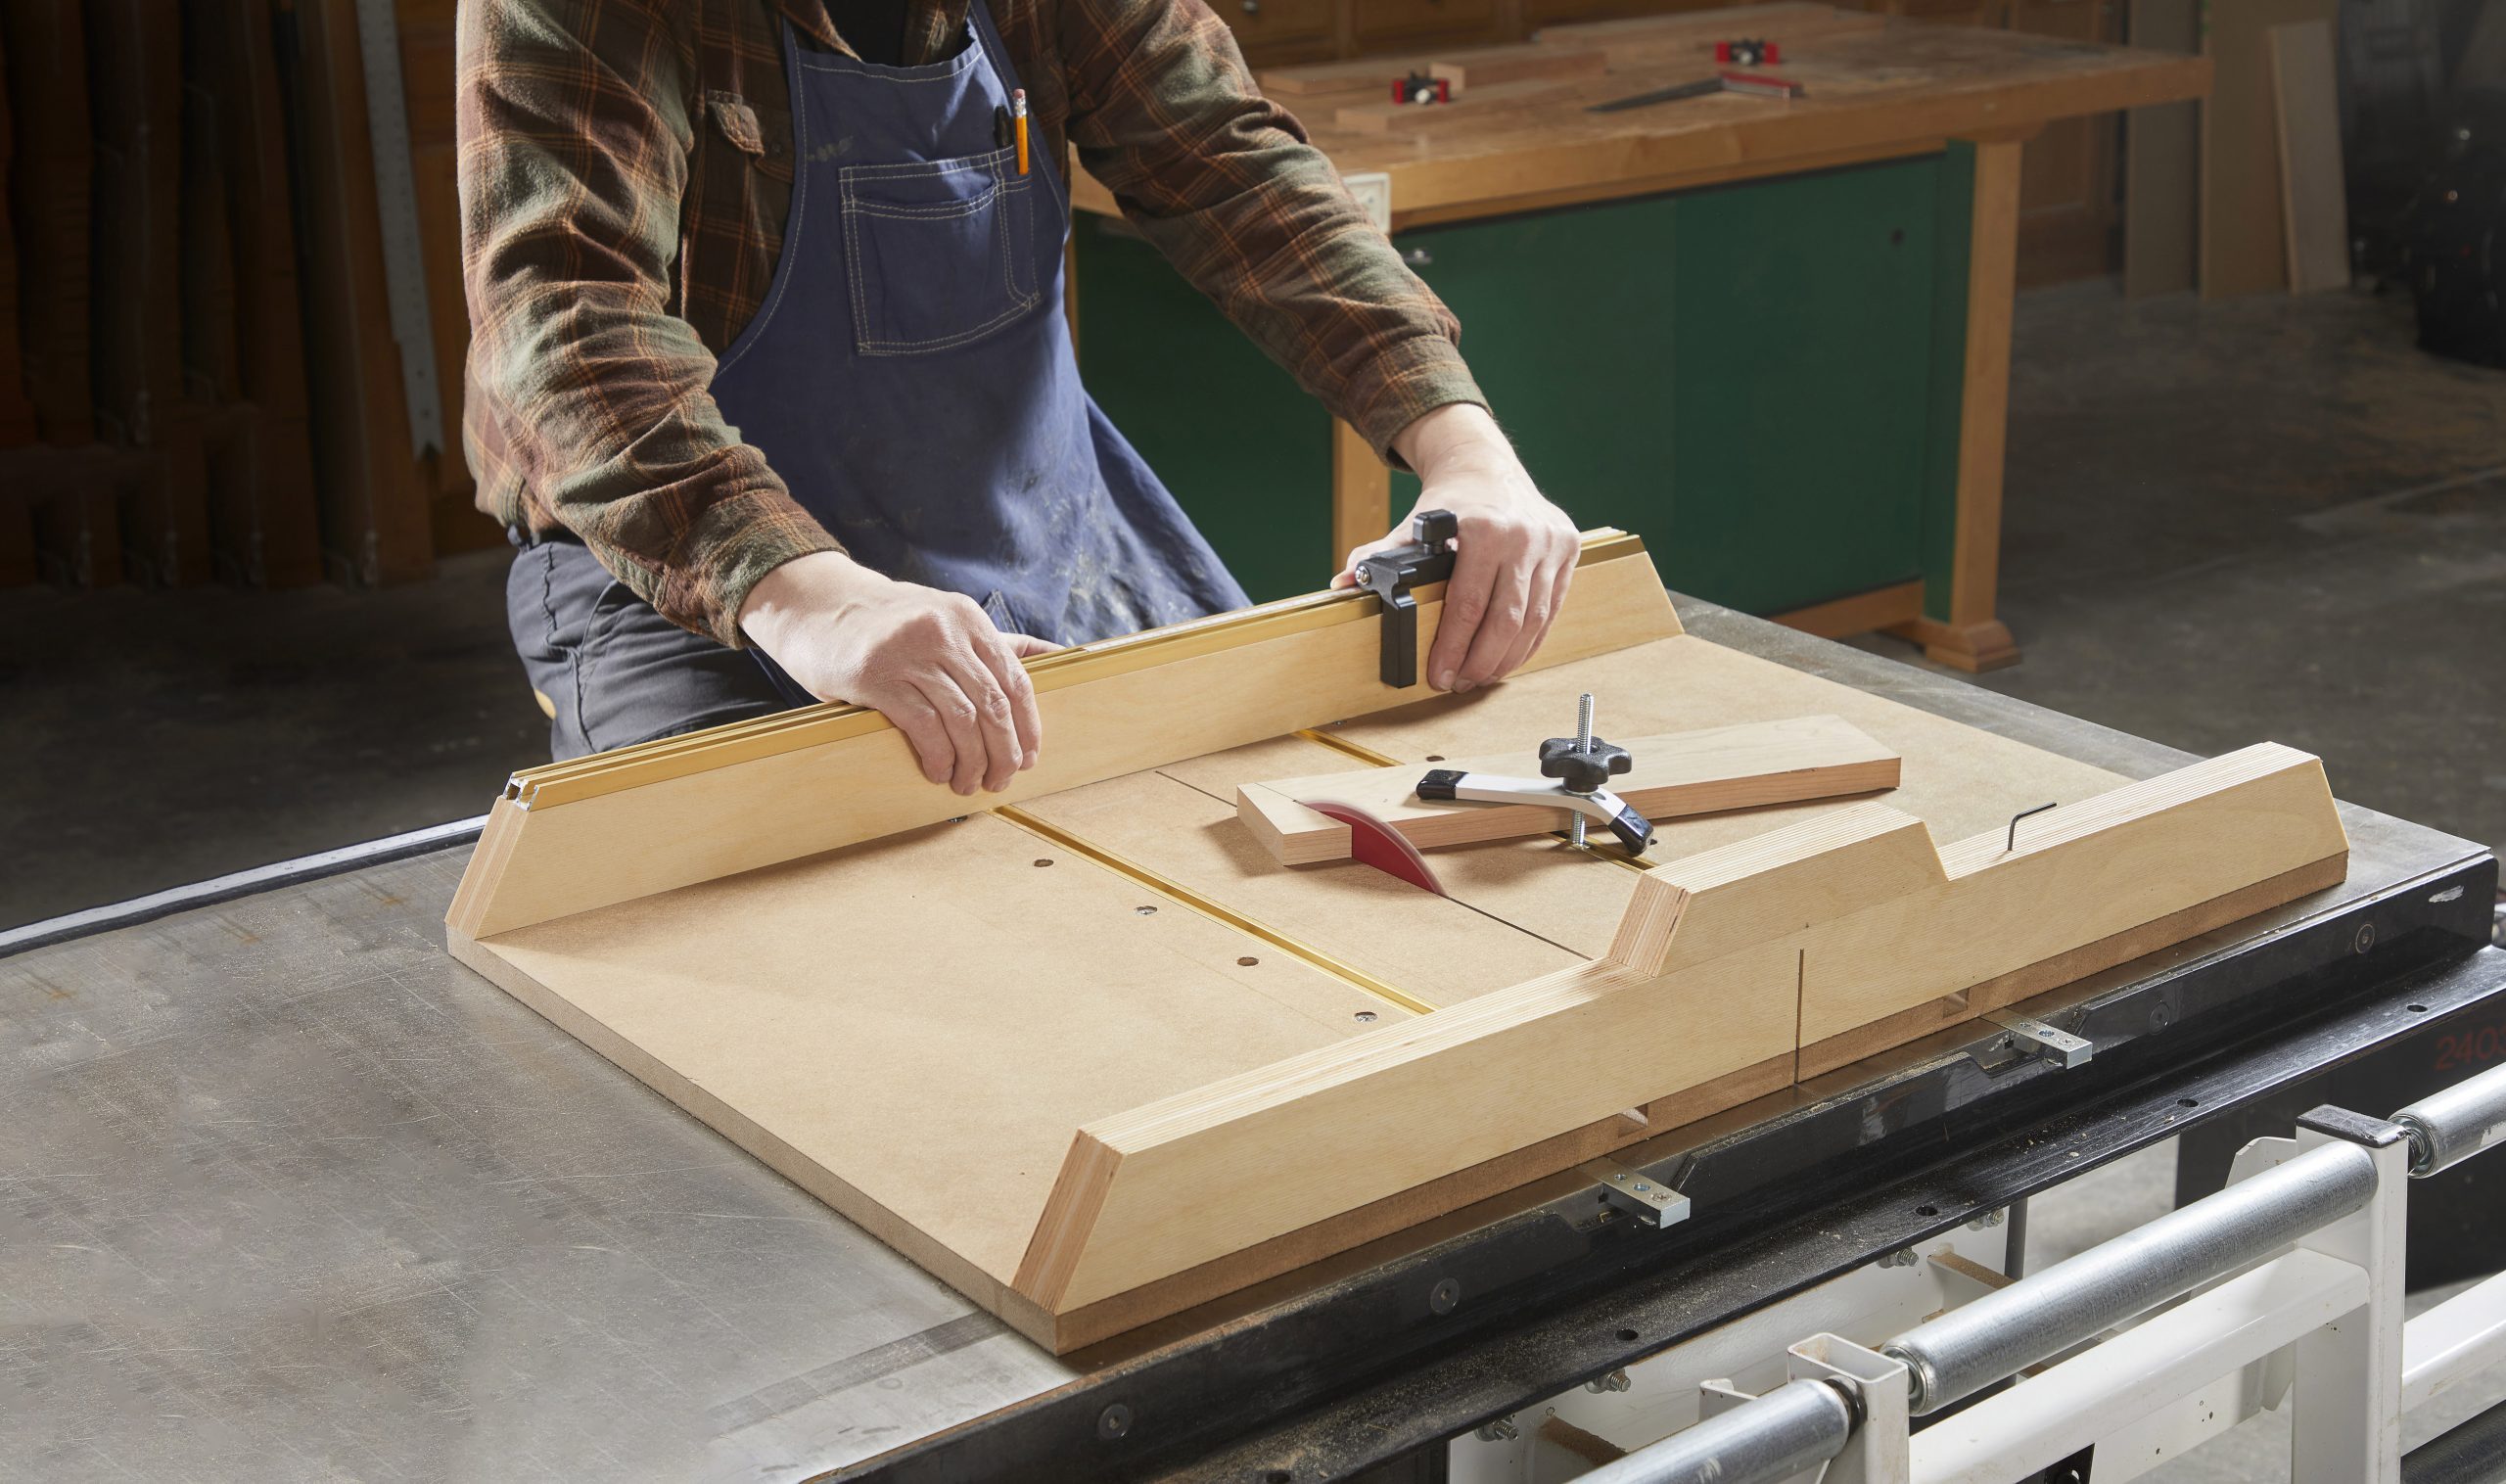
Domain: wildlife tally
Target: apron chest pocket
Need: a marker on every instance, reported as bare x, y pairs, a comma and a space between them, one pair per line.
942, 252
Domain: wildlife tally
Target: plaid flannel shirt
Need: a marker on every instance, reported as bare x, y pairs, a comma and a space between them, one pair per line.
625, 174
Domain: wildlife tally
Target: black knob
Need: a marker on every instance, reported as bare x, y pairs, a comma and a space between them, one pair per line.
1582, 769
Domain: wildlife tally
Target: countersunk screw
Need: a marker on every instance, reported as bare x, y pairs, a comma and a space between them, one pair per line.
1446, 1293
1616, 1380
1502, 1430
1113, 1421
2365, 939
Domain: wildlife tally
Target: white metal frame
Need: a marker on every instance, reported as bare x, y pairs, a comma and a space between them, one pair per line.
2318, 1324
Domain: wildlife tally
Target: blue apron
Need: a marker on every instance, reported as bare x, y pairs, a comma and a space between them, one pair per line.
911, 373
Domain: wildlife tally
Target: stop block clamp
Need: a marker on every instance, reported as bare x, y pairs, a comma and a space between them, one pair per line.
1390, 574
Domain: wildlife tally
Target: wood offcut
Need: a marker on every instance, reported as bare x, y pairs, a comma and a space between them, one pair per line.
1698, 772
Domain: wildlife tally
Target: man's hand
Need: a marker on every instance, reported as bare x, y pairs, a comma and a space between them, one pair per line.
931, 661
1512, 560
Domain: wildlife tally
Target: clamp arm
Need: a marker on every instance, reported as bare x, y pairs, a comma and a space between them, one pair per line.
1632, 829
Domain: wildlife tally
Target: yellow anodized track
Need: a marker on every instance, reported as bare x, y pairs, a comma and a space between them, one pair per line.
814, 726
1172, 891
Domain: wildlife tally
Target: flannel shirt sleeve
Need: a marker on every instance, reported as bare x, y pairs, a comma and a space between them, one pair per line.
1223, 181
574, 129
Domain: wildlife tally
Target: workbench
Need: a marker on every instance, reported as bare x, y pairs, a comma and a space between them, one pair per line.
1774, 336
289, 1194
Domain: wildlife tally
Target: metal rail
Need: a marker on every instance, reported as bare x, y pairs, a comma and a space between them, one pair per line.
1970, 1347
1960, 1353
2452, 1126
239, 884
2473, 1452
1791, 1429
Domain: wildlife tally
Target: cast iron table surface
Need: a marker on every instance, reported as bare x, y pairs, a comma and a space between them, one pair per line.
285, 1192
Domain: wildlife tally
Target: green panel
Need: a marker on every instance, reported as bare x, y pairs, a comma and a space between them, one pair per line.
1956, 234
1740, 374
1762, 379
1566, 323
1246, 453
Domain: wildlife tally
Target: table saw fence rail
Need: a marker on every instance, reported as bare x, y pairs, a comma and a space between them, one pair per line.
597, 890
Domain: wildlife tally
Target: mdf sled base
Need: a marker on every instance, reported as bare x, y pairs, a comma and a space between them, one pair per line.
1094, 1058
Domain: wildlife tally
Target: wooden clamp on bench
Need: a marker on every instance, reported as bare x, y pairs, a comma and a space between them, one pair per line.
1092, 1057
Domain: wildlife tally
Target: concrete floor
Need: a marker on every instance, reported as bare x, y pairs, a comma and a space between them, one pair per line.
153, 739
2266, 519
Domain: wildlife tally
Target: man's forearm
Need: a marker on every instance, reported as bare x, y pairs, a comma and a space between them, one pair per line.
1456, 438
1225, 183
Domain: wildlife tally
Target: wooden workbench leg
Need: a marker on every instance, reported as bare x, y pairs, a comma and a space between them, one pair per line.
1973, 638
1361, 492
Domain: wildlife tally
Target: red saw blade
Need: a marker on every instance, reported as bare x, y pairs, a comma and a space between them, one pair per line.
1371, 841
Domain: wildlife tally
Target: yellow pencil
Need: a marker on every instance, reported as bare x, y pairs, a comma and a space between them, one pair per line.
1018, 115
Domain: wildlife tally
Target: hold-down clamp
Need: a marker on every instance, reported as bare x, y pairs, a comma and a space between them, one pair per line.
1580, 764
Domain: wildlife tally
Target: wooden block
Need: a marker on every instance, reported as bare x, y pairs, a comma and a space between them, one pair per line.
1835, 922
1698, 772
1479, 103
1527, 62
2313, 193
578, 836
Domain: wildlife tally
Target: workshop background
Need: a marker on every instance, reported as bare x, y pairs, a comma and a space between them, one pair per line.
247, 612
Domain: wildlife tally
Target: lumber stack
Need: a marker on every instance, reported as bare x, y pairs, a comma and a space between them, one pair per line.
2245, 192
199, 379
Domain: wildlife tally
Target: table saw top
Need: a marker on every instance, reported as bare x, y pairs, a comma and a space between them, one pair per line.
286, 1182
